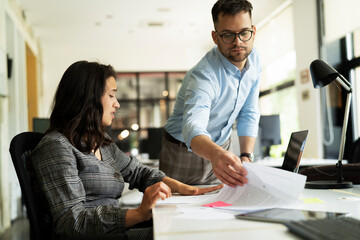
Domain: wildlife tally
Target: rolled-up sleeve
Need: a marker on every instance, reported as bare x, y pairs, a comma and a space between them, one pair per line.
248, 119
197, 106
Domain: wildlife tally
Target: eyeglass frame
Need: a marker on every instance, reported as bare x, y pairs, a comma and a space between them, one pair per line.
237, 35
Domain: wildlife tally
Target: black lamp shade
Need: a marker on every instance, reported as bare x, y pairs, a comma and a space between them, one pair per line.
322, 74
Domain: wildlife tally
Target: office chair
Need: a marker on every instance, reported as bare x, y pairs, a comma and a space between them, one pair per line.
20, 148
355, 152
40, 219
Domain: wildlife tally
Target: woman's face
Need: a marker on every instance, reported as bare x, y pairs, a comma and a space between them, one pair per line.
109, 102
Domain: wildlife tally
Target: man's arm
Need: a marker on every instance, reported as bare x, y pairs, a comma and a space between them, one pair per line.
227, 166
246, 146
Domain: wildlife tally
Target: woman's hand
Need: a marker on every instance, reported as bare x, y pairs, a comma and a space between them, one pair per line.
192, 190
151, 195
162, 190
184, 189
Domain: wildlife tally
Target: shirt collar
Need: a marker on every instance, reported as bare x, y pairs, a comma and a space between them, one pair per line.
248, 63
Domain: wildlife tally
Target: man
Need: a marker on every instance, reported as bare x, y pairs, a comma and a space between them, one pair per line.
221, 89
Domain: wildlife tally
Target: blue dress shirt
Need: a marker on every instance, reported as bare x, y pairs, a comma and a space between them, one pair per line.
214, 94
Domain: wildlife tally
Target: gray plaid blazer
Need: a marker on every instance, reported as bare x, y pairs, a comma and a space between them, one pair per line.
81, 191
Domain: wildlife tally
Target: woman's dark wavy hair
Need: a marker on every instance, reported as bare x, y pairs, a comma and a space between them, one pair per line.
77, 108
230, 7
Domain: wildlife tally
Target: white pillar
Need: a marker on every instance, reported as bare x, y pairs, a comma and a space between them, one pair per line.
307, 50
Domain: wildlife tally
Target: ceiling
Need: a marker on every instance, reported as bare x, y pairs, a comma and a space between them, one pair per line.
123, 32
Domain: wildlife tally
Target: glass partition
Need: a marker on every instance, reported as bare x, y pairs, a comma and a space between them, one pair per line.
146, 101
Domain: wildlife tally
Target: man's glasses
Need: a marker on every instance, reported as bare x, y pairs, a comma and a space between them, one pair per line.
230, 37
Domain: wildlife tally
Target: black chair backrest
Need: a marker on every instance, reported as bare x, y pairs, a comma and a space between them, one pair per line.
40, 220
20, 149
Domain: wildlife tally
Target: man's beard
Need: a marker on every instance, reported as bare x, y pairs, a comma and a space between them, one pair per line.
235, 58
239, 57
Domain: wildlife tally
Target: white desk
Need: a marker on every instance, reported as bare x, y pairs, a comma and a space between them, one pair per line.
305, 162
268, 161
168, 227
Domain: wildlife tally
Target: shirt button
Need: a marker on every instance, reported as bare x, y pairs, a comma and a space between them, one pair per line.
117, 175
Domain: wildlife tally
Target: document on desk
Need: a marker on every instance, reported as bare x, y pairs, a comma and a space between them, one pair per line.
267, 187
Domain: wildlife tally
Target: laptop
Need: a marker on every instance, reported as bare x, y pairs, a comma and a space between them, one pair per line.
294, 151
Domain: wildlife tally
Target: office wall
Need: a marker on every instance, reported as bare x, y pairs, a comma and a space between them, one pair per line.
32, 86
306, 46
14, 33
18, 110
174, 57
4, 188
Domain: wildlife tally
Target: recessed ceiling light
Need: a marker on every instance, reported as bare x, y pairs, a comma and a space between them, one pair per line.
163, 9
155, 24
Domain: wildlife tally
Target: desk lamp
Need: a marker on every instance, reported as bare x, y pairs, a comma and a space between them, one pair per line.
322, 74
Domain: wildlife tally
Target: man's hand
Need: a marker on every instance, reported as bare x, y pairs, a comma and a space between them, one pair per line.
228, 168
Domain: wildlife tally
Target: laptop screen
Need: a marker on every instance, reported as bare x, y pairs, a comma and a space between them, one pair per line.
294, 151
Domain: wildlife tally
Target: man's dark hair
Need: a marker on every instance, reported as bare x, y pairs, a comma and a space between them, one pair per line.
77, 107
230, 7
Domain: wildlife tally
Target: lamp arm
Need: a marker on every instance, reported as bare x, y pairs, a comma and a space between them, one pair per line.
344, 83
343, 136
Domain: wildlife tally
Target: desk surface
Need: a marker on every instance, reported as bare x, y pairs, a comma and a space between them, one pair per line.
305, 162
268, 161
167, 224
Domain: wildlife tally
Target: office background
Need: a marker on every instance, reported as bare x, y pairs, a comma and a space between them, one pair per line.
153, 46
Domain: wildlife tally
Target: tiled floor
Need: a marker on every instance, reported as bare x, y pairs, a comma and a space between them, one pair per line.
19, 230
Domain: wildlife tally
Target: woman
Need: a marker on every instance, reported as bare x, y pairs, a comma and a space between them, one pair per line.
80, 169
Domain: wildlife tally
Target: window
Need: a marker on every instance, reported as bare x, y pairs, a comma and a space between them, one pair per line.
342, 36
146, 101
356, 82
280, 98
275, 43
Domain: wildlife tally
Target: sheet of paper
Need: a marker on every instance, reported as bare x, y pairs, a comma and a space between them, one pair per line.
187, 199
197, 212
267, 187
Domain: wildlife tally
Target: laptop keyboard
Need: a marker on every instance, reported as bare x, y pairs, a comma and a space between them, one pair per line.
326, 229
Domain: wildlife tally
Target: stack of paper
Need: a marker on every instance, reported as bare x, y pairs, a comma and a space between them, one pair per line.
267, 187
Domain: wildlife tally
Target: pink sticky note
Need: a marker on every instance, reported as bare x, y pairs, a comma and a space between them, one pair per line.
217, 204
